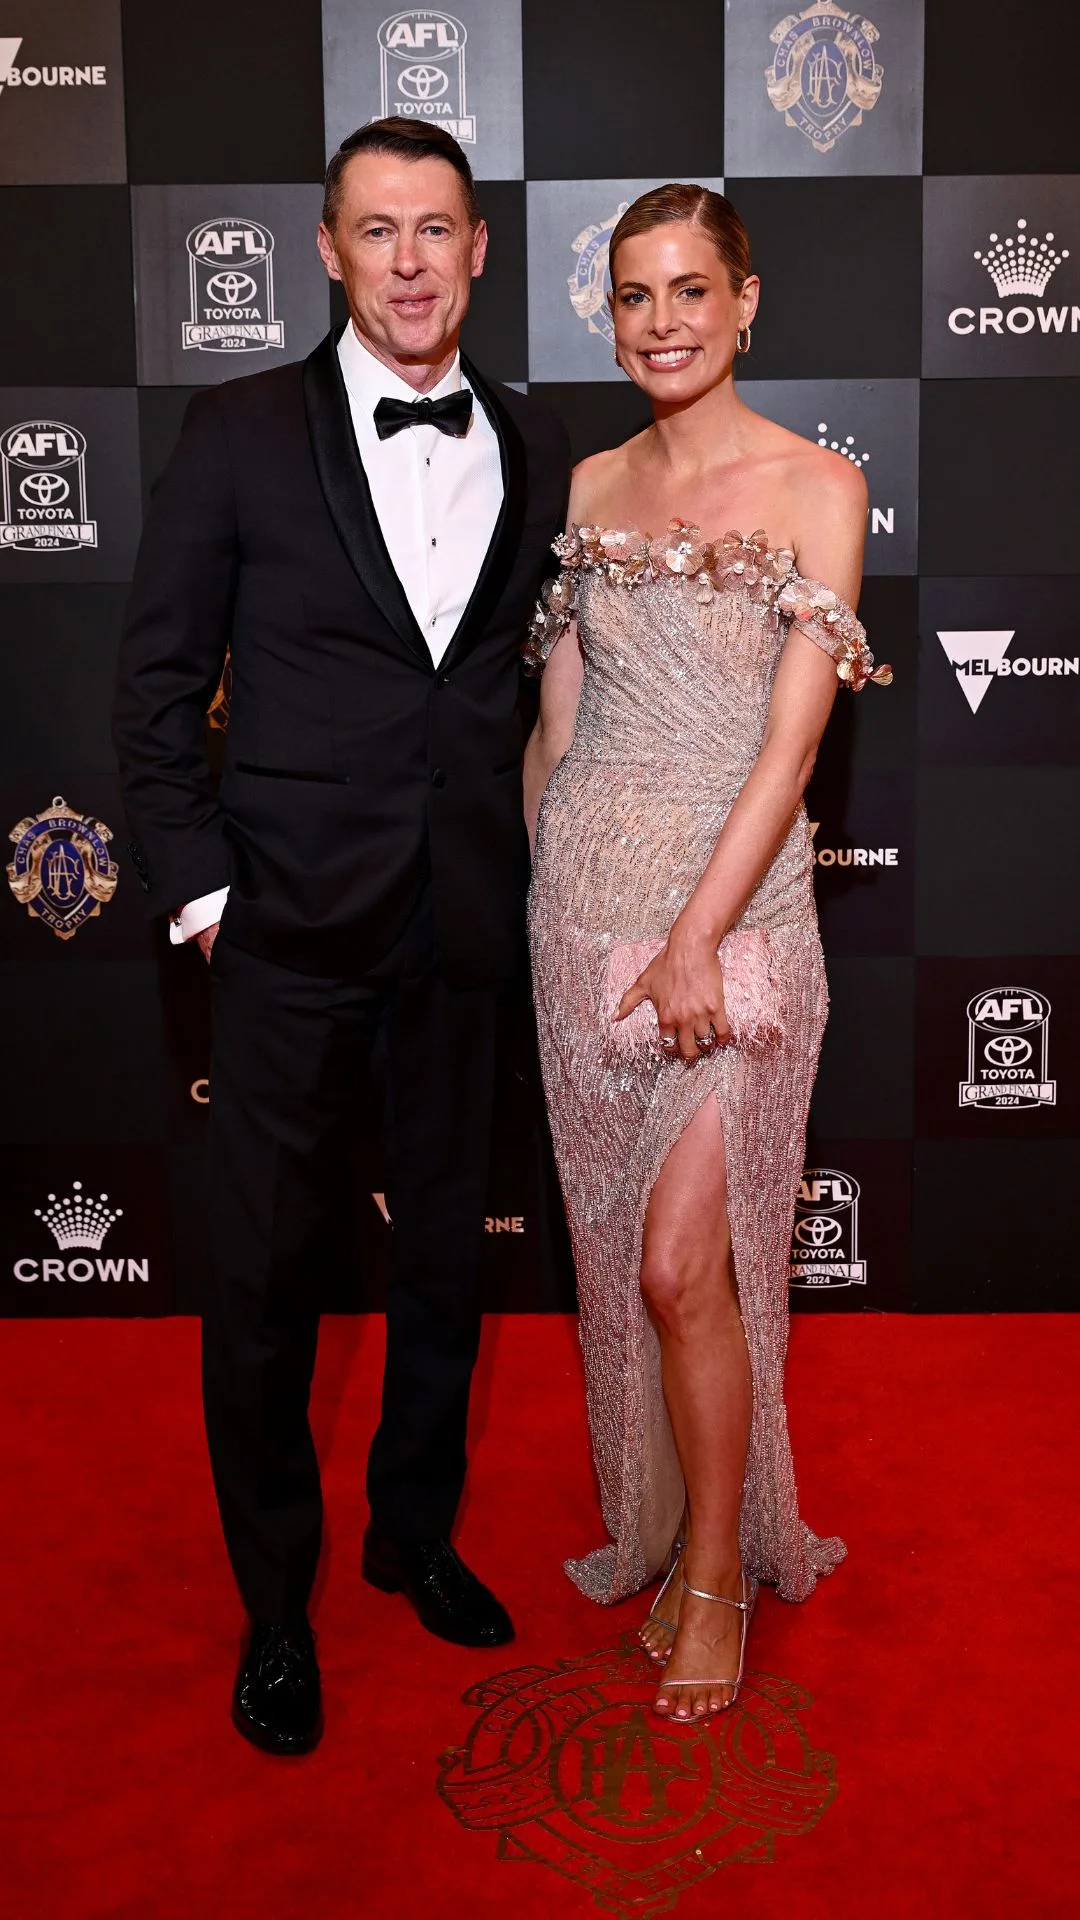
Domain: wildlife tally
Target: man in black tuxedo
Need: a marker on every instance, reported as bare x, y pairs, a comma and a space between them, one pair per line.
364, 533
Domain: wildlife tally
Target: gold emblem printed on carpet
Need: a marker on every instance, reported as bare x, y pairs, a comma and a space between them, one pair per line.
570, 1768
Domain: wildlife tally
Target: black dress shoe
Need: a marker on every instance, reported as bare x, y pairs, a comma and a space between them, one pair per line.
449, 1600
277, 1700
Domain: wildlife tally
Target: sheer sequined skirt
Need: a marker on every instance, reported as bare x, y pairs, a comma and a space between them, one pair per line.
613, 1122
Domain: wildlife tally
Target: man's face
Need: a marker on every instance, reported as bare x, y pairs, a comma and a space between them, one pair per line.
405, 253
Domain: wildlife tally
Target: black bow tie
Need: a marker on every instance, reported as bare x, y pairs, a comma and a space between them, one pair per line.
451, 414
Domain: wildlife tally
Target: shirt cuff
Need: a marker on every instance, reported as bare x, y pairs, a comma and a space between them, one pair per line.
197, 916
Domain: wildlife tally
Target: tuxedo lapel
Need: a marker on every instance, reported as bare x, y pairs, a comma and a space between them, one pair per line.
348, 496
506, 539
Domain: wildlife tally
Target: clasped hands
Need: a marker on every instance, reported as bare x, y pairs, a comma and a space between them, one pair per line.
685, 983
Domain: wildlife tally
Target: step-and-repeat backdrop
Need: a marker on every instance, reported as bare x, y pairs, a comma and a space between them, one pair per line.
911, 191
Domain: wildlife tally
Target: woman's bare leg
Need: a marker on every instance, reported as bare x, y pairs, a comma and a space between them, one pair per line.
688, 1283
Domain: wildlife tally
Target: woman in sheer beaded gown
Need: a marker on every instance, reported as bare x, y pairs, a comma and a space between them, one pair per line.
688, 674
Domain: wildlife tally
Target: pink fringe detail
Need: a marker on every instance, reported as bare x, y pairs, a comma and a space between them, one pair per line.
751, 999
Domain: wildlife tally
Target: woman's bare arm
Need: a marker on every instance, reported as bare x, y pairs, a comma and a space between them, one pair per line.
685, 981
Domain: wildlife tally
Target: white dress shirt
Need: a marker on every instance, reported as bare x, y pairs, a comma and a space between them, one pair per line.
436, 499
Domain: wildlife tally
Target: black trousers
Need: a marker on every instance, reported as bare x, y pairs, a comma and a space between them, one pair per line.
291, 1053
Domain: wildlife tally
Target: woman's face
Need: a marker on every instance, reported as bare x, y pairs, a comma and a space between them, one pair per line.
675, 314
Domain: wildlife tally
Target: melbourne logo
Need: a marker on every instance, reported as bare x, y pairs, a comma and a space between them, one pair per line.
51, 76
1008, 1042
589, 284
566, 1766
231, 277
422, 69
852, 856
43, 482
1020, 269
980, 658
62, 873
78, 1220
825, 1237
824, 76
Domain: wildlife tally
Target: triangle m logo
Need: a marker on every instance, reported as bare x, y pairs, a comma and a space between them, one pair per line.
976, 658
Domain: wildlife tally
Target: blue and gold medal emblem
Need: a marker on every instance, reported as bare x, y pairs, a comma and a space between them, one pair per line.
62, 872
824, 76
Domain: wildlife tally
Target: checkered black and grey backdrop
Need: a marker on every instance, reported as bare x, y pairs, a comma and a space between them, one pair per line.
911, 191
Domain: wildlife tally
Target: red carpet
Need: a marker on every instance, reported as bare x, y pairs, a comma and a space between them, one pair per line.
938, 1668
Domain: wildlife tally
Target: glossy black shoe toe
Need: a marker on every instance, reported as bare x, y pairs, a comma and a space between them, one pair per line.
449, 1600
277, 1700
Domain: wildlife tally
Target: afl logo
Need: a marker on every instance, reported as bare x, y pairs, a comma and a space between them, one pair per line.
1008, 1048
231, 283
824, 1243
422, 69
43, 476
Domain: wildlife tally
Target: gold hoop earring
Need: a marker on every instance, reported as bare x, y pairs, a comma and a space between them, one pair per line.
739, 348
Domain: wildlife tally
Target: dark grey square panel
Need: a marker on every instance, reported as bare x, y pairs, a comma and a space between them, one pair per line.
999, 678
617, 87
977, 59
839, 266
98, 1074
998, 1047
995, 1226
1001, 276
459, 70
61, 93
69, 484
851, 1233
224, 92
66, 314
823, 90
84, 1231
999, 476
227, 280
863, 828
875, 425
58, 652
998, 859
864, 1083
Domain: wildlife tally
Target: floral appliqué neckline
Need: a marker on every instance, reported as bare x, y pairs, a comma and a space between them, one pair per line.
736, 563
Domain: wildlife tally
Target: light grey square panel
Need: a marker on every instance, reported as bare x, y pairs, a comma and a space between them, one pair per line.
461, 71
824, 91
570, 224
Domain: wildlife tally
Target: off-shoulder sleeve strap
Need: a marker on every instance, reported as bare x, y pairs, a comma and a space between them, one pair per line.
554, 611
832, 625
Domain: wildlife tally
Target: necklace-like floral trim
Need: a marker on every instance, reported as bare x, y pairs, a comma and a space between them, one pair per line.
738, 563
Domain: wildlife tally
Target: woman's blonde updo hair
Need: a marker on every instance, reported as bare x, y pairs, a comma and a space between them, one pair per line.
698, 207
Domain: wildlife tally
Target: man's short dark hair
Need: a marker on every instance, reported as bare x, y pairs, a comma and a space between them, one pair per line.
408, 140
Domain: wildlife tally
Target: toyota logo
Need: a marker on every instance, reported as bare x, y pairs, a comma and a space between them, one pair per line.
231, 289
1008, 1050
423, 83
44, 489
818, 1230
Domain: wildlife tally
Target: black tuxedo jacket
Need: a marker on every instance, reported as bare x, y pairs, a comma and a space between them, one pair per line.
354, 769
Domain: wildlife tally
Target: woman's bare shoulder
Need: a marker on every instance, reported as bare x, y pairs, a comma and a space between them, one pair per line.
805, 469
599, 480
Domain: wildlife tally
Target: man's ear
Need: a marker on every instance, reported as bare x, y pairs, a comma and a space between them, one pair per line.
324, 240
479, 248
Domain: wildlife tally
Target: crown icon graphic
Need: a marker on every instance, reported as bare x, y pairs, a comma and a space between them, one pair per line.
79, 1220
1022, 264
846, 447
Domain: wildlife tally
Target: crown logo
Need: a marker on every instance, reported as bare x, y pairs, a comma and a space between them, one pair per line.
845, 447
1023, 264
78, 1221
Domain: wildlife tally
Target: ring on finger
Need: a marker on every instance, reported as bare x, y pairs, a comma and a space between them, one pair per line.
708, 1041
669, 1041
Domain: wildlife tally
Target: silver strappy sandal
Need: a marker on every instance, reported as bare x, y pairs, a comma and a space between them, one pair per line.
678, 1548
745, 1606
